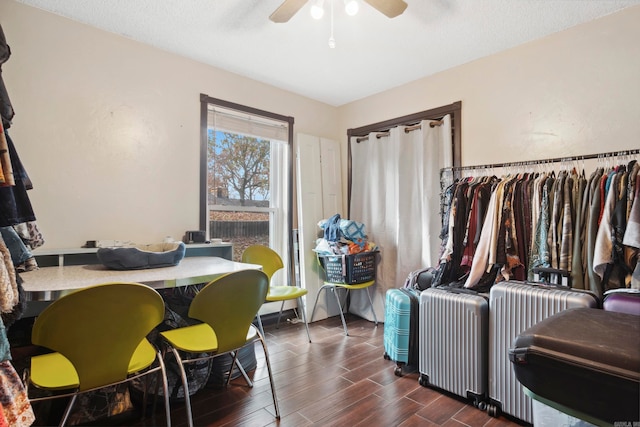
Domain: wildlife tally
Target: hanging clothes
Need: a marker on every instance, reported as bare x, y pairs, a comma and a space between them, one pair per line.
481, 256
632, 236
540, 256
577, 266
481, 193
566, 236
607, 262
15, 209
555, 225
558, 220
15, 405
592, 280
15, 206
521, 219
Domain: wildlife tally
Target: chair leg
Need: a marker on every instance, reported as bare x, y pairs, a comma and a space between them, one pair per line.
233, 364
67, 410
260, 324
315, 304
237, 363
185, 386
343, 305
313, 312
371, 305
165, 389
344, 322
304, 316
160, 377
279, 315
273, 387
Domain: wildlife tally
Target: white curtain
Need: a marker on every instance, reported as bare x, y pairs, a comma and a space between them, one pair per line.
395, 192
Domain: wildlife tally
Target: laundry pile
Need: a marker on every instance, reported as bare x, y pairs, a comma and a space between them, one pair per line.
343, 237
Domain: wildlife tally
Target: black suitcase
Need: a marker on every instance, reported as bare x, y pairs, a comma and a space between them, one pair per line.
583, 360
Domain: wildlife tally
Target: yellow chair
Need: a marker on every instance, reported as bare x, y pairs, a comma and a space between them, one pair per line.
334, 286
98, 338
271, 262
226, 307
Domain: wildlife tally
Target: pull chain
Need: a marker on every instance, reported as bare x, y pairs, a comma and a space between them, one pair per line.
332, 41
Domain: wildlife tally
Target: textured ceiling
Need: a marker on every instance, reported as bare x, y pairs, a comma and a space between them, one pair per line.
373, 53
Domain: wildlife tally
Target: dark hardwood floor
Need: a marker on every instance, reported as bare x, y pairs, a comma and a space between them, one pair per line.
334, 381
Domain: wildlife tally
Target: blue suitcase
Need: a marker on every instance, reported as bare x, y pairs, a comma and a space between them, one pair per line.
400, 328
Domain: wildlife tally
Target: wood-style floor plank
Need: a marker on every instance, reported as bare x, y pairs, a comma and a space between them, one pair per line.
336, 380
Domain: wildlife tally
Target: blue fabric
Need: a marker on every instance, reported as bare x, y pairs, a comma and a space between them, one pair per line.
353, 230
332, 229
5, 348
19, 251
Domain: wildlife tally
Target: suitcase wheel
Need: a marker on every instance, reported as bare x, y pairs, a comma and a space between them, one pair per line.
493, 410
398, 371
478, 400
386, 356
423, 380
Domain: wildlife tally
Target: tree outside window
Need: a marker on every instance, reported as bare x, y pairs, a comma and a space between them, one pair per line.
238, 168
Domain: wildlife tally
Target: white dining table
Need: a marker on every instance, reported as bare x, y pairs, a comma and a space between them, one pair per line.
50, 283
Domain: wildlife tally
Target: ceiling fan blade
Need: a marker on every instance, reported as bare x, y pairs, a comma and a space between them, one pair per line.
286, 10
391, 8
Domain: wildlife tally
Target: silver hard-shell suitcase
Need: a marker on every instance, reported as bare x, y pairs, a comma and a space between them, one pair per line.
453, 337
513, 307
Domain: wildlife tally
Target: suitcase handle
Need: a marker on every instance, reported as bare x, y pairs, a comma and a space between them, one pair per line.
548, 285
518, 356
563, 273
546, 275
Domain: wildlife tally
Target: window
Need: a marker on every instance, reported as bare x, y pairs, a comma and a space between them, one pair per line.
246, 176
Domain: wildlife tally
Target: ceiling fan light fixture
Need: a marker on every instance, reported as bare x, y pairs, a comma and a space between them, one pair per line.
317, 9
288, 8
351, 7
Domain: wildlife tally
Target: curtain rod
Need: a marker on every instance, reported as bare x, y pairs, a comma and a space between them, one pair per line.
406, 130
544, 161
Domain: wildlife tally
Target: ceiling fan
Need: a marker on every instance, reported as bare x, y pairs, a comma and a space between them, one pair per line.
288, 8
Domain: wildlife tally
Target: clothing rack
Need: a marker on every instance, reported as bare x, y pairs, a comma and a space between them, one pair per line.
546, 161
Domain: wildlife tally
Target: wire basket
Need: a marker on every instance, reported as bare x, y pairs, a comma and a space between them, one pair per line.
350, 269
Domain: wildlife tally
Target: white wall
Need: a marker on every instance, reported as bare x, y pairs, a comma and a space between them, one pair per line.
571, 93
108, 128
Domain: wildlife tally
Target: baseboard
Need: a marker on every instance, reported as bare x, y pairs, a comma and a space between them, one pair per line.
272, 318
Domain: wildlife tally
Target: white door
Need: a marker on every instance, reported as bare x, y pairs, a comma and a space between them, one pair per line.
319, 196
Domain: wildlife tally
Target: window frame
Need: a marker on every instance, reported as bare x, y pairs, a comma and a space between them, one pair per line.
205, 101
